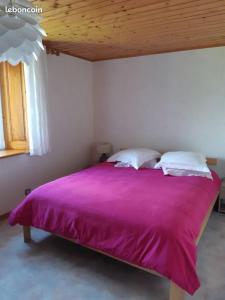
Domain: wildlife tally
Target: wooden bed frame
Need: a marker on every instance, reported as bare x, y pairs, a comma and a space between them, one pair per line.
175, 292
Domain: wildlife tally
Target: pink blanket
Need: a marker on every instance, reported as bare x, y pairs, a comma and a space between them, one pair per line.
142, 217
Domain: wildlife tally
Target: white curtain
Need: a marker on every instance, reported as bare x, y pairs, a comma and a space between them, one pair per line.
36, 90
2, 140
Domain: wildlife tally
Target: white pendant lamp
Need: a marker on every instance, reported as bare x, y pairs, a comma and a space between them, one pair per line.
20, 32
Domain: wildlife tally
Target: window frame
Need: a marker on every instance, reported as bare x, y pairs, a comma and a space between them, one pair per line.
14, 109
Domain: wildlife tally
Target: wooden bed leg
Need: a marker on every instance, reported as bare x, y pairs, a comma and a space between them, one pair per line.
176, 293
26, 234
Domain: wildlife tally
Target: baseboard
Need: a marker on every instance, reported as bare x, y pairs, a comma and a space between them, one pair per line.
4, 217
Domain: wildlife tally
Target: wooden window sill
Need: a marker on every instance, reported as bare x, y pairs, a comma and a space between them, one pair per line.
8, 153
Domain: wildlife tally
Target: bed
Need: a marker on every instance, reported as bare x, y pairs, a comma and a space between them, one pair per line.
143, 218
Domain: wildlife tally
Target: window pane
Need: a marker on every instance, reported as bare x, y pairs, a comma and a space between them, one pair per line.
2, 141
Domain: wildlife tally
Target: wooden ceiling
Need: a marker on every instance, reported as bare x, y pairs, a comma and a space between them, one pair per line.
105, 29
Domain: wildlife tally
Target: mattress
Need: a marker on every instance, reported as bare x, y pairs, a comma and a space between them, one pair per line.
140, 216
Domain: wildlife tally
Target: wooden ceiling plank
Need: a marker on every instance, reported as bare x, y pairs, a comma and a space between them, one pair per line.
145, 17
153, 37
191, 23
129, 22
161, 26
104, 29
84, 7
74, 9
52, 5
164, 11
107, 11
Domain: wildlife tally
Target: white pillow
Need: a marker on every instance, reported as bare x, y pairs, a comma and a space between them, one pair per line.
135, 157
149, 164
121, 164
180, 172
181, 163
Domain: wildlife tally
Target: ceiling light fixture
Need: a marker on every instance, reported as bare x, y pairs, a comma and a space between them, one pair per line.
20, 32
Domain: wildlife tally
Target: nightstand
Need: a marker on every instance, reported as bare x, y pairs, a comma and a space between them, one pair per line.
221, 204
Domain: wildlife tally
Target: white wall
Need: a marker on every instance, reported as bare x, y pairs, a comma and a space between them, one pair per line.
71, 131
167, 101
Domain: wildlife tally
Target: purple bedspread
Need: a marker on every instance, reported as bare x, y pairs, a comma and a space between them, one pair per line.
142, 217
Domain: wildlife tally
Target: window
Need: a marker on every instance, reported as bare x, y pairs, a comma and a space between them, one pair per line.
13, 116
